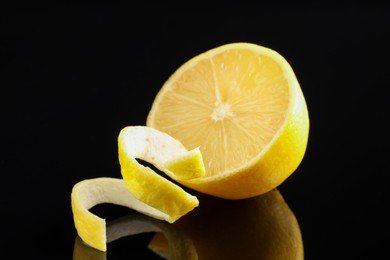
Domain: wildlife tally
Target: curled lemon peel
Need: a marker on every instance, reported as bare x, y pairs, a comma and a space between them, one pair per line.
91, 192
160, 149
141, 188
165, 153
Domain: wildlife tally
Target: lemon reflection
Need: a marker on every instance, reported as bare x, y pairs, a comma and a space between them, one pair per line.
262, 227
82, 251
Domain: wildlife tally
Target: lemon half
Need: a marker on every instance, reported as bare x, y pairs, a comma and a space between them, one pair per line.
242, 105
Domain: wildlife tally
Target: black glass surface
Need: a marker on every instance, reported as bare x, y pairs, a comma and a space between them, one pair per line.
73, 75
262, 227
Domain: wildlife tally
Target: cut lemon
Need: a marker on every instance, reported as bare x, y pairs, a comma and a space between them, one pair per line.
242, 105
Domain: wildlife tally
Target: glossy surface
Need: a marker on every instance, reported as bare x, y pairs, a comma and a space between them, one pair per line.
262, 227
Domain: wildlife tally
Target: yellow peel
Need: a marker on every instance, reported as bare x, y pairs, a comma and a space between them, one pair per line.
188, 166
161, 150
91, 192
141, 189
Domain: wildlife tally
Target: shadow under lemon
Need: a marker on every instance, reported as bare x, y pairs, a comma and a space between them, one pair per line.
262, 227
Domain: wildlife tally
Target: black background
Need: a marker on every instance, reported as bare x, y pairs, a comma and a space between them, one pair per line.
72, 76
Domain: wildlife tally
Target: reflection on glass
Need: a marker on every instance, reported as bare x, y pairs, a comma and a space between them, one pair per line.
262, 227
180, 246
82, 251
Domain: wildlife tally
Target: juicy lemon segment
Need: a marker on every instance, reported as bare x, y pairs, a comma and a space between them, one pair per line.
241, 104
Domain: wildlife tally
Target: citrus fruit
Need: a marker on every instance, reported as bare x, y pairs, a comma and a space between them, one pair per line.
242, 105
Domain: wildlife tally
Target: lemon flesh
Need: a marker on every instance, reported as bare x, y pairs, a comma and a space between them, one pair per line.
242, 105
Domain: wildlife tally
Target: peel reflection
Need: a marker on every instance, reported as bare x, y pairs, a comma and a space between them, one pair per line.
181, 247
262, 227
